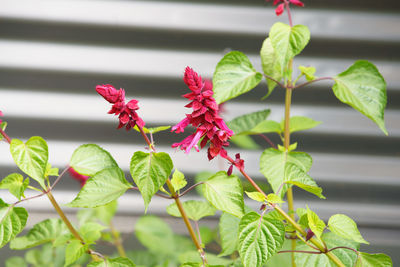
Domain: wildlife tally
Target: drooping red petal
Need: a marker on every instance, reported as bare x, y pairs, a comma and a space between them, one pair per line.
297, 3
279, 10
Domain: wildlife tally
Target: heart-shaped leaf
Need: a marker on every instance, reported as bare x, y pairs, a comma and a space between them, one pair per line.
12, 222
16, 184
345, 227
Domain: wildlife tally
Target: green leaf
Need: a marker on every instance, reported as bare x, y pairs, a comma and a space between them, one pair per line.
74, 250
178, 180
257, 196
259, 239
12, 222
195, 210
15, 184
228, 231
116, 262
308, 72
16, 262
346, 256
267, 127
207, 234
374, 260
243, 124
91, 232
362, 87
244, 141
225, 193
345, 227
155, 234
150, 171
90, 158
45, 231
272, 198
273, 164
270, 65
315, 223
50, 171
152, 130
31, 157
300, 123
288, 41
105, 186
296, 176
233, 76
102, 213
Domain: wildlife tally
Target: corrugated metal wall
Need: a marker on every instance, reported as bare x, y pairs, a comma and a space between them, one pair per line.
53, 53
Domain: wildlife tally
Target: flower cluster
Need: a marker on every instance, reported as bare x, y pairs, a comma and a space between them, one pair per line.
127, 112
204, 117
79, 177
281, 7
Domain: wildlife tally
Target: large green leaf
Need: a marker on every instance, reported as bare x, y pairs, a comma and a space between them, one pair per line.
233, 76
243, 124
288, 41
150, 171
259, 239
15, 184
105, 186
362, 87
225, 193
195, 210
12, 222
42, 232
228, 231
347, 257
374, 260
31, 157
178, 180
155, 234
345, 227
116, 262
90, 158
270, 65
273, 164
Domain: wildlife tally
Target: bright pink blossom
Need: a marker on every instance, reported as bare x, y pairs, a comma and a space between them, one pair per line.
204, 117
126, 111
281, 7
1, 115
79, 177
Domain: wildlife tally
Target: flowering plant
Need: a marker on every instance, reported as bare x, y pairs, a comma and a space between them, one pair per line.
268, 236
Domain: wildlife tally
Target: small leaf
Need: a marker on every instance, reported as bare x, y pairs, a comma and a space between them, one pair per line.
15, 184
309, 188
91, 232
374, 260
288, 41
225, 193
308, 72
270, 65
228, 231
155, 234
105, 186
74, 250
195, 210
272, 198
178, 180
51, 171
31, 157
362, 87
207, 234
45, 231
116, 262
300, 123
257, 196
345, 227
90, 159
315, 223
233, 76
150, 171
16, 262
12, 222
243, 124
152, 130
244, 141
259, 239
106, 213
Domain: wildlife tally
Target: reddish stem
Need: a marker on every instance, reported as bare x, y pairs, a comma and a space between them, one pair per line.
288, 12
268, 141
6, 137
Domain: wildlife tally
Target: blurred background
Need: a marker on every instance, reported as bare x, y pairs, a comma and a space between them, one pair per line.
54, 53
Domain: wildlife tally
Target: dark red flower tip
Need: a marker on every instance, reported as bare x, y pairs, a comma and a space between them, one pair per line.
238, 163
310, 234
281, 7
204, 117
79, 177
127, 112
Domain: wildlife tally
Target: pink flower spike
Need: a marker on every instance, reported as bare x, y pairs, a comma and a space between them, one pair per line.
297, 3
79, 177
111, 94
180, 127
279, 10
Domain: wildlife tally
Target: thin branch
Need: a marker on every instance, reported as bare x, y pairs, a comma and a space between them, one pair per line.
190, 189
268, 141
276, 81
313, 81
300, 251
29, 198
344, 248
157, 194
59, 178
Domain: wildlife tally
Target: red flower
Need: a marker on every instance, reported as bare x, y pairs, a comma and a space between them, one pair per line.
204, 118
1, 115
238, 162
79, 177
127, 112
281, 7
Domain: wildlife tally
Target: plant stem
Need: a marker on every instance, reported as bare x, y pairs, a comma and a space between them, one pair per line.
6, 137
287, 7
117, 241
313, 81
268, 141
